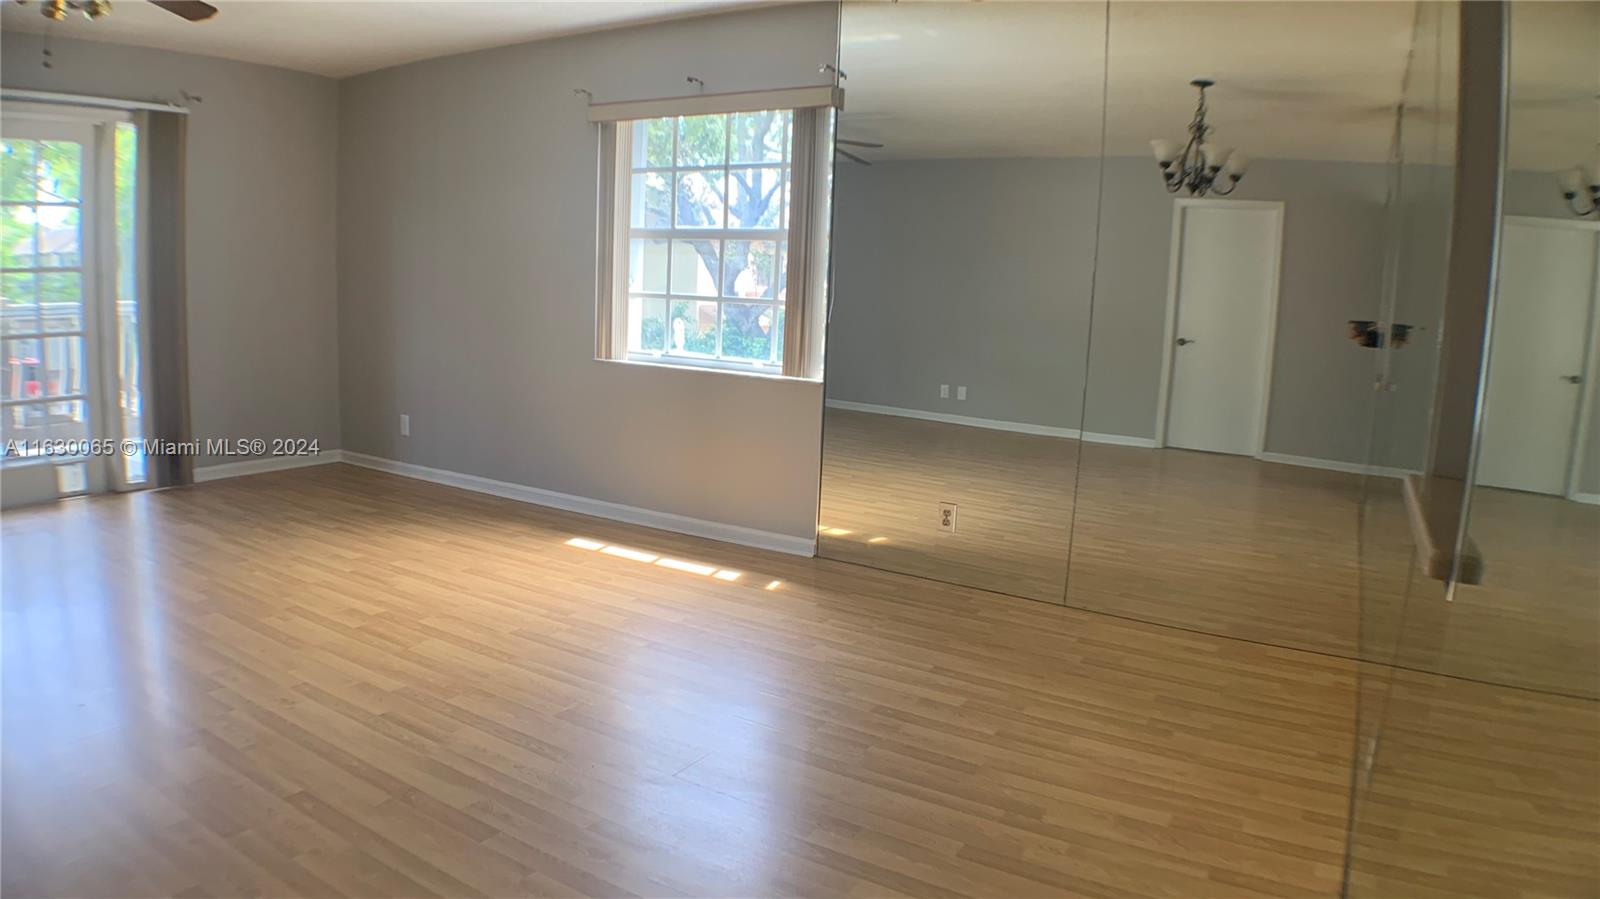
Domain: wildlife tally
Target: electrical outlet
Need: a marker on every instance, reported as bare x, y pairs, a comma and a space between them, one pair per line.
944, 391
947, 517
405, 425
961, 392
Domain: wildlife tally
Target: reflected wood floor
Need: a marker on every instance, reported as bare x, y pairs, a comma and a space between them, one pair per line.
1222, 544
338, 682
1218, 543
884, 477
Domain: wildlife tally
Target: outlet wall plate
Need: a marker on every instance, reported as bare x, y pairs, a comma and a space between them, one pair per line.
405, 425
947, 517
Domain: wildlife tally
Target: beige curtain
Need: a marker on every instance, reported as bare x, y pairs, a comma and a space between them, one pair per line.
616, 154
806, 283
163, 138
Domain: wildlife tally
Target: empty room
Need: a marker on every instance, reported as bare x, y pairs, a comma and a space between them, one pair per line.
709, 448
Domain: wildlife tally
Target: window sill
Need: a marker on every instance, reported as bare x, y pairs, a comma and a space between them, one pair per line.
708, 368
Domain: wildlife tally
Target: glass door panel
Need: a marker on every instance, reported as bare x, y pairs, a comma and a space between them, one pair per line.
69, 332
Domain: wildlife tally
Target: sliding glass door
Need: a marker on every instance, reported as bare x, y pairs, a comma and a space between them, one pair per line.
70, 348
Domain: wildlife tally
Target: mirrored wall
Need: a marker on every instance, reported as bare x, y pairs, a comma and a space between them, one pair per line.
966, 192
1060, 370
1134, 312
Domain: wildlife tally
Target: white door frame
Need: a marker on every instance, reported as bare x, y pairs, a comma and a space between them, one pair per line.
1591, 348
1169, 333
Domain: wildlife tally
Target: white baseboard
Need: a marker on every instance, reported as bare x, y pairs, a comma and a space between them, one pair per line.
665, 521
993, 424
1590, 499
1119, 439
1382, 471
206, 473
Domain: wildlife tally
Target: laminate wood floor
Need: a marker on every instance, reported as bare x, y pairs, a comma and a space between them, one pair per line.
1478, 790
337, 682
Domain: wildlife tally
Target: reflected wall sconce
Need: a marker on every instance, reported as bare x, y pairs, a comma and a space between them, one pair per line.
1579, 180
1200, 165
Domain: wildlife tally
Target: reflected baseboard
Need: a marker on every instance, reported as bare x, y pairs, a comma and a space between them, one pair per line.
994, 424
1382, 471
1591, 499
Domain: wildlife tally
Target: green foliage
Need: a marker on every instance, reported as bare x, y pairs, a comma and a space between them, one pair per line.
127, 174
742, 196
702, 140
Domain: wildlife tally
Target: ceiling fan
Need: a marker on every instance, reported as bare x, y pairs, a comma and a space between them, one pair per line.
854, 143
57, 10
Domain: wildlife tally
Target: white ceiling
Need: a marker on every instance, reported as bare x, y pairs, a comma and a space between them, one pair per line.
1307, 80
347, 37
1296, 79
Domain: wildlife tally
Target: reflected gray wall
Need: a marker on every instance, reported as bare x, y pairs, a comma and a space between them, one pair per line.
924, 294
964, 272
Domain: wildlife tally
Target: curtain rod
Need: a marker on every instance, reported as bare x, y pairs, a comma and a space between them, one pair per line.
86, 100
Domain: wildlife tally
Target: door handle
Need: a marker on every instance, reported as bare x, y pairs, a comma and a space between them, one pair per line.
1572, 379
1184, 341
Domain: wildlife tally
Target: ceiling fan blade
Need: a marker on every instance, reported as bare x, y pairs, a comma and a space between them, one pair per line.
193, 10
851, 156
857, 143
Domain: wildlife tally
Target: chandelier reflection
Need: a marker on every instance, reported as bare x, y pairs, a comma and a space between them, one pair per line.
1200, 167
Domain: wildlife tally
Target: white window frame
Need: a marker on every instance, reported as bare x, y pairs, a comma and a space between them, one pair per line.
804, 235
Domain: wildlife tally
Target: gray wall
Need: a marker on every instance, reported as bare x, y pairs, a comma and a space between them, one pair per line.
979, 272
467, 279
263, 344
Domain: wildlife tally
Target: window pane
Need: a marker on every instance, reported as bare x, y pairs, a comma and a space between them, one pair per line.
60, 167
758, 136
54, 227
777, 337
16, 236
703, 140
701, 199
16, 169
651, 200
652, 143
17, 313
127, 193
749, 269
647, 324
694, 268
45, 421
755, 200
130, 402
783, 271
747, 331
24, 374
43, 367
64, 371
693, 328
647, 266
61, 301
